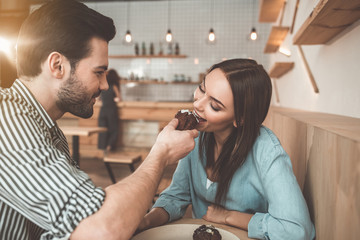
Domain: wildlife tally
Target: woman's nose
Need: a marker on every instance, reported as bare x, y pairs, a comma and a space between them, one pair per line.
198, 102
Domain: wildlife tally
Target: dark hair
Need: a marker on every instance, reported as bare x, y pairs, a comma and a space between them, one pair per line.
64, 26
112, 77
251, 88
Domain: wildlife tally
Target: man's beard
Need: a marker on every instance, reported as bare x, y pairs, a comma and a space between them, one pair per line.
74, 98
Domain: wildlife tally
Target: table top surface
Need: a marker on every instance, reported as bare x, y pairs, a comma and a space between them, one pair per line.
242, 234
81, 130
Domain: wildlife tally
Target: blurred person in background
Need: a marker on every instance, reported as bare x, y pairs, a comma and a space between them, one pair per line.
108, 116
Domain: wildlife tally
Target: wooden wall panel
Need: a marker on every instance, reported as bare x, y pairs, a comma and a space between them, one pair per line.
332, 184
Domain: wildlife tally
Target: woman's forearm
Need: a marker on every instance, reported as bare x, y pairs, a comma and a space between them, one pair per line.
156, 217
238, 219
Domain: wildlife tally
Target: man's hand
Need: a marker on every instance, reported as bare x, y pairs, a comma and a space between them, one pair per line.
174, 144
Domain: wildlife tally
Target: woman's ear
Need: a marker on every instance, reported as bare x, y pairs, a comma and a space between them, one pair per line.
56, 64
241, 123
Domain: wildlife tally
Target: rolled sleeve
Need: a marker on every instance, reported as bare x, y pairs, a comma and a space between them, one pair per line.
256, 227
176, 198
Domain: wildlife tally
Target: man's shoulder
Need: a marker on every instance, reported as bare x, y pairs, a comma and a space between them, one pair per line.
12, 101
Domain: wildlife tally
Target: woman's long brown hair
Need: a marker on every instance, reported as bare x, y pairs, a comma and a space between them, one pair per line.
251, 88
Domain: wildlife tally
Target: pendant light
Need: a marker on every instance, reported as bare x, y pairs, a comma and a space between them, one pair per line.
253, 34
211, 36
128, 37
169, 36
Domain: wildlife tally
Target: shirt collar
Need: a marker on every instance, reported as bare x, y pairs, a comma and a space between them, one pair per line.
23, 91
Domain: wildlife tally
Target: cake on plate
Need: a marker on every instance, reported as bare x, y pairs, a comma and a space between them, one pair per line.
206, 232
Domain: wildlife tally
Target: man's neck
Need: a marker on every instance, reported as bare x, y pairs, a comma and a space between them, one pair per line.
45, 94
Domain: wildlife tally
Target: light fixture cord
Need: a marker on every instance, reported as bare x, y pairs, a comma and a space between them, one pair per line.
212, 14
253, 13
127, 16
169, 14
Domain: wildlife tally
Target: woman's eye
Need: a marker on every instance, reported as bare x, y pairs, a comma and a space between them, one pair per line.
216, 109
201, 89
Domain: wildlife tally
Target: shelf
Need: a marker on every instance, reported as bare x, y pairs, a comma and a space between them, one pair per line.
270, 9
328, 19
280, 68
277, 36
154, 82
147, 56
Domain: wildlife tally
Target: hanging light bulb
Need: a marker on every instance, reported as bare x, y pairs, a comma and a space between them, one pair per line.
128, 37
168, 36
211, 37
253, 34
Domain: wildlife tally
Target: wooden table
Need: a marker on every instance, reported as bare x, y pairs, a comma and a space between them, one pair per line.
76, 132
242, 234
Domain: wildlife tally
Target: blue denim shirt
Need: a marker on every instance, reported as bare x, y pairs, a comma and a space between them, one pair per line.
265, 185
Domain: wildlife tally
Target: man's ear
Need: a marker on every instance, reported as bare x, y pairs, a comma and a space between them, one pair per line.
56, 63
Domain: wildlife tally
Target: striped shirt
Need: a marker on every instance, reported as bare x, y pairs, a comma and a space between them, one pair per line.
43, 193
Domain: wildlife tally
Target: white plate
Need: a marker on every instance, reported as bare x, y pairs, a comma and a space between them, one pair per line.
177, 232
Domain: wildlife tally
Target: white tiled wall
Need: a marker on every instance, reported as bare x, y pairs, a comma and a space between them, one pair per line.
158, 92
190, 22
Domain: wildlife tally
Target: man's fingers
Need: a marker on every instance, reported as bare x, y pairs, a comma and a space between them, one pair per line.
194, 133
173, 123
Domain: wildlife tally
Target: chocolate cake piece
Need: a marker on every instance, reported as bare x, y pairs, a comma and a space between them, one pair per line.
206, 232
187, 120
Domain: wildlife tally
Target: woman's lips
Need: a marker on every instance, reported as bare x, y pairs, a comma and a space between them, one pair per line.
200, 119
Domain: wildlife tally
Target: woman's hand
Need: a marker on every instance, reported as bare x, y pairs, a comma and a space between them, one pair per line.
216, 214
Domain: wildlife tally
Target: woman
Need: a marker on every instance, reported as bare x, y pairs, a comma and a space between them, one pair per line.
238, 174
108, 116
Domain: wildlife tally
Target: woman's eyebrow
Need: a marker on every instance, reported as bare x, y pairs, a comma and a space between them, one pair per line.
214, 99
218, 102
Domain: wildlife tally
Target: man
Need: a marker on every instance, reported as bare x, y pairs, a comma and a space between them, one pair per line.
62, 58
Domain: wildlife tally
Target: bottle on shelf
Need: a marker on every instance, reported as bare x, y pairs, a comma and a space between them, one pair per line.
143, 48
161, 49
136, 49
177, 49
170, 49
151, 48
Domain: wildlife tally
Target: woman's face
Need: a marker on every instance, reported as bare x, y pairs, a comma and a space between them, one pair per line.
214, 104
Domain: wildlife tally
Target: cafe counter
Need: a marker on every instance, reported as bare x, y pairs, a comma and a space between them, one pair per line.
161, 112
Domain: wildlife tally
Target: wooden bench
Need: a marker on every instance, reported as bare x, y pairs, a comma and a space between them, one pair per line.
325, 152
121, 157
